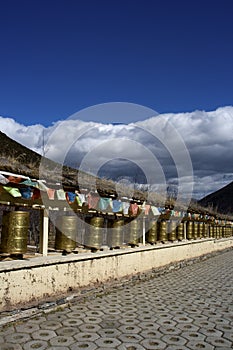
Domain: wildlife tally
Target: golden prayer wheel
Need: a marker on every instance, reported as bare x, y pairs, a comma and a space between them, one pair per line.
66, 233
15, 225
135, 232
116, 234
180, 231
195, 230
163, 236
221, 232
94, 238
172, 230
205, 230
189, 230
152, 234
211, 231
230, 231
215, 231
224, 231
201, 228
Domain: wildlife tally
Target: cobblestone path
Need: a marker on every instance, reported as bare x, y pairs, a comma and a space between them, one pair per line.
189, 308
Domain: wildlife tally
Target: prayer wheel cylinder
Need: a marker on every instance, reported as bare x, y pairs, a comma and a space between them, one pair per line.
152, 234
221, 231
66, 233
135, 232
224, 231
116, 235
195, 230
189, 230
211, 231
180, 231
172, 230
215, 231
201, 230
163, 237
205, 230
15, 225
95, 236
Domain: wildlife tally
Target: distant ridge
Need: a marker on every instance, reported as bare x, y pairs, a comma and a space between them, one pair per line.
221, 201
19, 159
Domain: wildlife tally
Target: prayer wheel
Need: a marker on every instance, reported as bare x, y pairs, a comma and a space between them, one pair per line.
189, 230
195, 230
224, 231
172, 230
230, 231
15, 225
116, 234
135, 232
215, 231
66, 233
95, 236
205, 230
152, 234
201, 228
163, 237
221, 231
211, 231
180, 231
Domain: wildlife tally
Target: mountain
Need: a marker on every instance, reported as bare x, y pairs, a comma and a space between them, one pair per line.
221, 201
18, 159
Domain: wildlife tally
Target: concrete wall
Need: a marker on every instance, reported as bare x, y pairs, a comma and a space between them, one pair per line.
34, 280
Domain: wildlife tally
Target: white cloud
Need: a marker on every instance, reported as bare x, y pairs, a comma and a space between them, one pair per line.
208, 137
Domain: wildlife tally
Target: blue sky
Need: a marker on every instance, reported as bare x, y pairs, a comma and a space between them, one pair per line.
58, 57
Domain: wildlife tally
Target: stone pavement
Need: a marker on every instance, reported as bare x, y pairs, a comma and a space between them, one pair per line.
189, 308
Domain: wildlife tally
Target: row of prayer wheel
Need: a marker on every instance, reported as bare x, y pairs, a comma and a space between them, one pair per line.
15, 227
120, 234
66, 233
164, 231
